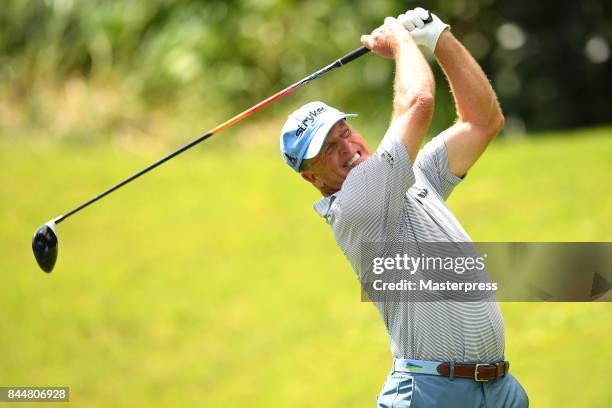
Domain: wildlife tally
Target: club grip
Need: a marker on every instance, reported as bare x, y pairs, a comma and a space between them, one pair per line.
353, 55
363, 50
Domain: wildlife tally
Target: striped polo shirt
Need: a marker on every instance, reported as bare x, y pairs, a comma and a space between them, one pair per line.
387, 199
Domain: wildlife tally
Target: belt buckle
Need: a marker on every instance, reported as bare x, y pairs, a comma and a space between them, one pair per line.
476, 373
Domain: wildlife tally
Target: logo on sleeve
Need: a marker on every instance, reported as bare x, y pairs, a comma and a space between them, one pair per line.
386, 156
423, 193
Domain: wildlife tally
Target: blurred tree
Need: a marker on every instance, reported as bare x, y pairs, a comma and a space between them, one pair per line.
549, 61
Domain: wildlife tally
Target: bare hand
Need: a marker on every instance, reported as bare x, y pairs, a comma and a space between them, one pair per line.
386, 39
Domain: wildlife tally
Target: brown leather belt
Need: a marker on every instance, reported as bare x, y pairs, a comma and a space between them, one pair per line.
477, 372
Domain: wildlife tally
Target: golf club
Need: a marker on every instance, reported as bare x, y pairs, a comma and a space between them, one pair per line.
45, 242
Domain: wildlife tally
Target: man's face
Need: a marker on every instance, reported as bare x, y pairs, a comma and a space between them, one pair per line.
341, 152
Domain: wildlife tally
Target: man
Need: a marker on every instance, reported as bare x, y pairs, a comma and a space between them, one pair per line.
446, 354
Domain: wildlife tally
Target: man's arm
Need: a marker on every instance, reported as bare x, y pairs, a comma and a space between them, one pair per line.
479, 115
413, 87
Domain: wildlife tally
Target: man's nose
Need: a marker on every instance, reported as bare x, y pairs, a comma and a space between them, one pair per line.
345, 147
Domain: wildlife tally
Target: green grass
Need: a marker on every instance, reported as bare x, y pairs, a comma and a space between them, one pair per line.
211, 282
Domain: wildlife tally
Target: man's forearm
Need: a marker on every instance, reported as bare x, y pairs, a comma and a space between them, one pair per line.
414, 90
413, 86
474, 97
413, 78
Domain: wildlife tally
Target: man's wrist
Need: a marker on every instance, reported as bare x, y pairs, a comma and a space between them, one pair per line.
443, 39
446, 47
406, 43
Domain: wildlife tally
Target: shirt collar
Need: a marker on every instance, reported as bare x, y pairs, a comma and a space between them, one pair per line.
323, 206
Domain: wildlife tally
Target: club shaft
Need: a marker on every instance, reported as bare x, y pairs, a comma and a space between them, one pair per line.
336, 64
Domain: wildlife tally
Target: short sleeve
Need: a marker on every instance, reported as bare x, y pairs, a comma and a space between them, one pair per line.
432, 162
372, 196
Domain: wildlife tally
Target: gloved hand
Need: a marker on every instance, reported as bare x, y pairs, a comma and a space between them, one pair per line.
426, 34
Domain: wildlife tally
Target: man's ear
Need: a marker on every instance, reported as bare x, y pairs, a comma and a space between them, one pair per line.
309, 176
312, 178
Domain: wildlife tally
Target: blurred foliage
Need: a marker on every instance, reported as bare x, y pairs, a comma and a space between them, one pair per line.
549, 61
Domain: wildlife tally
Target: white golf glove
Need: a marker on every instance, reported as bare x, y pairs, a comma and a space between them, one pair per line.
426, 34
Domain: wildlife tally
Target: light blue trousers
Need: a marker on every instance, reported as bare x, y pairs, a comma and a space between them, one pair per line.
411, 390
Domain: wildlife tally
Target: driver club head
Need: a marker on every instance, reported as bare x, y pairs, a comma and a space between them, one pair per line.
44, 245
